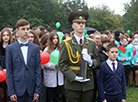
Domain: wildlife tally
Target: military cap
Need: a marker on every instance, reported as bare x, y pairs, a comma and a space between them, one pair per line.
78, 15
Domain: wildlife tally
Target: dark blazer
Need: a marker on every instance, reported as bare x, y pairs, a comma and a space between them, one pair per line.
65, 63
111, 83
22, 77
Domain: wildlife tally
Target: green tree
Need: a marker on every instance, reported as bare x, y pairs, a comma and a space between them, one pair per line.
102, 18
38, 12
130, 18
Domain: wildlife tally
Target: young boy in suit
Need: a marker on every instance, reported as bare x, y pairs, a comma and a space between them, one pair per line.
111, 81
23, 66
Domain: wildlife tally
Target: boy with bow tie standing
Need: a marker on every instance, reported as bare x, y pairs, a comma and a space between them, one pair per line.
23, 66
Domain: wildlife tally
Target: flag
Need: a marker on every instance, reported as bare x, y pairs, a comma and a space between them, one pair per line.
122, 49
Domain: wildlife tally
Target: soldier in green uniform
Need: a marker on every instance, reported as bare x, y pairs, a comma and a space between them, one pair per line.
78, 89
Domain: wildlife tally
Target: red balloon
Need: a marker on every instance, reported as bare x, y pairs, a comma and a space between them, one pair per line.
5, 77
45, 58
2, 76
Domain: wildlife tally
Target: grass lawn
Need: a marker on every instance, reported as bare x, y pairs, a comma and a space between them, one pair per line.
132, 94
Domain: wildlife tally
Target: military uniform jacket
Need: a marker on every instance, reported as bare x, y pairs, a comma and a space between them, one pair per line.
69, 63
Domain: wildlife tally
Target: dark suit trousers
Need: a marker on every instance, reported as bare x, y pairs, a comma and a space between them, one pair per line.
113, 98
25, 98
79, 96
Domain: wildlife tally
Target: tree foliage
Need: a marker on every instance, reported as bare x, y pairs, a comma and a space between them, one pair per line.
130, 18
102, 18
48, 12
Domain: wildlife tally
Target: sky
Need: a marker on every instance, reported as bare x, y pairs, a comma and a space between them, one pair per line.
116, 5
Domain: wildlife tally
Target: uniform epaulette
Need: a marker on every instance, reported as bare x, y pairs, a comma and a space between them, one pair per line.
67, 39
89, 39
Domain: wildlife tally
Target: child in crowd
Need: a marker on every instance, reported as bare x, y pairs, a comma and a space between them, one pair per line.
111, 81
125, 58
102, 49
5, 40
53, 78
134, 66
33, 37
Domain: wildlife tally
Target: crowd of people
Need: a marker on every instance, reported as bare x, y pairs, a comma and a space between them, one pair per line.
108, 70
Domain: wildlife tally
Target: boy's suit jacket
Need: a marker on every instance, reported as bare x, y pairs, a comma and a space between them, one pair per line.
21, 76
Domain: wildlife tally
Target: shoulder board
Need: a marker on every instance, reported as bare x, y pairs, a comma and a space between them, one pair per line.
89, 39
67, 39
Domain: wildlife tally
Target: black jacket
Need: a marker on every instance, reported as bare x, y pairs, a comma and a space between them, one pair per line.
101, 53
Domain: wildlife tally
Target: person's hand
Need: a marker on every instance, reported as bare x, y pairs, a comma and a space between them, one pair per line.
36, 96
42, 66
4, 70
87, 58
123, 59
105, 100
80, 79
123, 100
13, 98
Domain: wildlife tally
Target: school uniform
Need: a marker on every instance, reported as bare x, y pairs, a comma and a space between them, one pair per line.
111, 82
53, 80
126, 63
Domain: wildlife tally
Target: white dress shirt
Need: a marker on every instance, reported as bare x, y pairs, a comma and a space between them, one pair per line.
24, 50
109, 62
78, 39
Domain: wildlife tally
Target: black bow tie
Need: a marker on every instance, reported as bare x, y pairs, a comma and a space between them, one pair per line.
21, 44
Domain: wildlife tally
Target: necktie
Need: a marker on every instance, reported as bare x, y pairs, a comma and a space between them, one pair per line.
21, 44
113, 66
80, 42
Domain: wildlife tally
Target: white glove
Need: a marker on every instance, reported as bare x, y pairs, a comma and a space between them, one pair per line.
80, 79
87, 58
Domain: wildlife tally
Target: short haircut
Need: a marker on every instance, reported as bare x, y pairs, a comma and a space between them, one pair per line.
9, 26
42, 28
111, 45
22, 22
105, 40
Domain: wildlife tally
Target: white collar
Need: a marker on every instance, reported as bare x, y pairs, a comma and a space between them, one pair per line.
110, 62
78, 38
